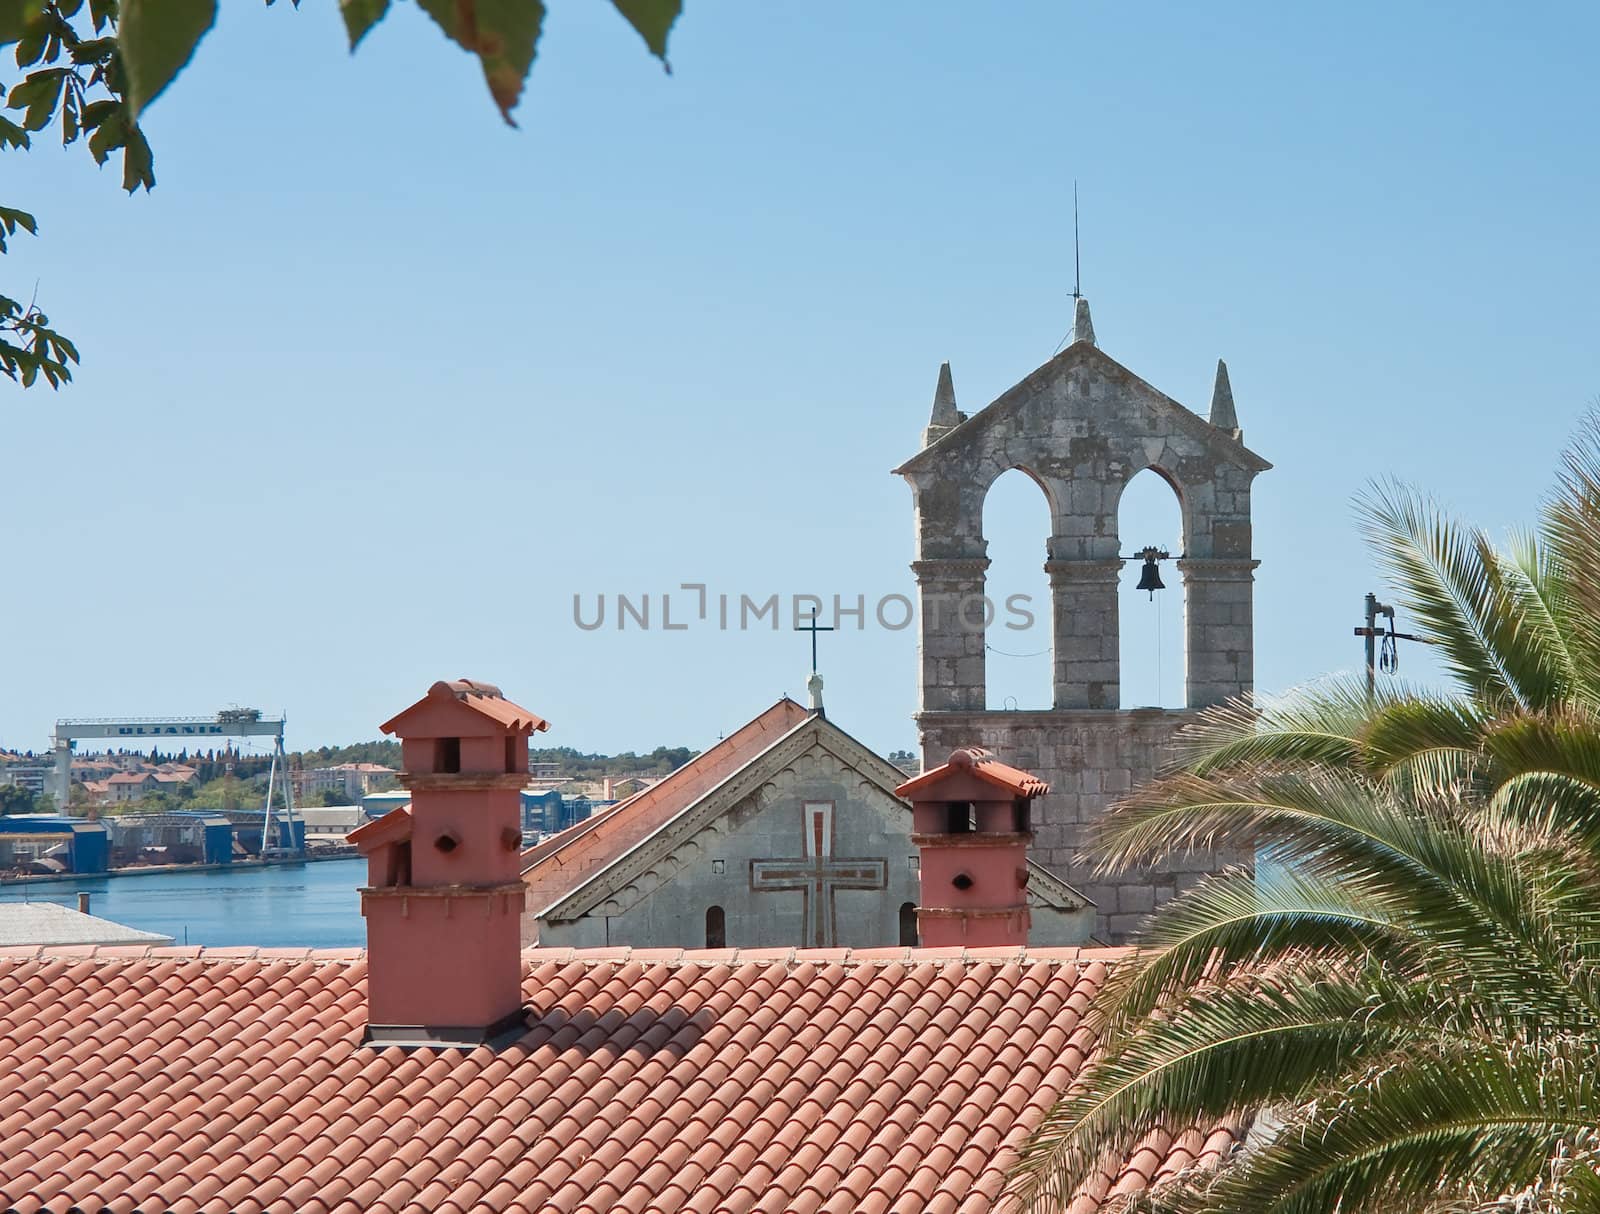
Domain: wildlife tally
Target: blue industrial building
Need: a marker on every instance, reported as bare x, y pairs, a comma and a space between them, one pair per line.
549, 812
185, 836
285, 836
77, 845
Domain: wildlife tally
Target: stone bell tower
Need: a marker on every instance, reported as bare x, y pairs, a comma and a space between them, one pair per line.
1082, 426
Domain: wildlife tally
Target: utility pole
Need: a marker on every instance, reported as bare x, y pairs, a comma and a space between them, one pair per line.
1388, 660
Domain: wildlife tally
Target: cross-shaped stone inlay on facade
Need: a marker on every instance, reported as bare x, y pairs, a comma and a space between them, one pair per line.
816, 874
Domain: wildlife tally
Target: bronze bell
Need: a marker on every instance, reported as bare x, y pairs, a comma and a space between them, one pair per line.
1150, 575
1150, 578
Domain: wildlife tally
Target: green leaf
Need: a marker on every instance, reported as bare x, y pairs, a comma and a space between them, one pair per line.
110, 135
360, 16
16, 16
93, 50
12, 135
504, 34
101, 12
653, 19
137, 162
31, 46
156, 39
97, 112
10, 220
38, 96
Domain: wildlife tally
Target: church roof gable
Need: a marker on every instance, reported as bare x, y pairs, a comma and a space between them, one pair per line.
1221, 442
566, 886
1047, 889
556, 867
693, 808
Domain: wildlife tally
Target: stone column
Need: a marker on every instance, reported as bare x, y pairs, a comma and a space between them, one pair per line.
1083, 595
950, 594
1219, 620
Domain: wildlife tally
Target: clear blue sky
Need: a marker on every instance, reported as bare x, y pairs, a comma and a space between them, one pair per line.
373, 384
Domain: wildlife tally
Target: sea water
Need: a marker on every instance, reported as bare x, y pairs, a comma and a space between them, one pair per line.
307, 905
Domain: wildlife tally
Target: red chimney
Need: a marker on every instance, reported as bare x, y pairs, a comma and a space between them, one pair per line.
443, 899
971, 820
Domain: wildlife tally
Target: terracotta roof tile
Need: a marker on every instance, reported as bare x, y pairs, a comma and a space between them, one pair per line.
647, 1081
983, 765
557, 866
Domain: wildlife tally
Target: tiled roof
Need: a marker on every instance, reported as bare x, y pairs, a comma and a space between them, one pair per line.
777, 1082
986, 767
558, 865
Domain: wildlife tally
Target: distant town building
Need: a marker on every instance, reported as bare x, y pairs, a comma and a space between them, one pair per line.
132, 785
99, 768
330, 823
351, 781
27, 774
376, 804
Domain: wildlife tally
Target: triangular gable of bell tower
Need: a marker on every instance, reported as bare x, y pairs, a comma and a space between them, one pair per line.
1088, 409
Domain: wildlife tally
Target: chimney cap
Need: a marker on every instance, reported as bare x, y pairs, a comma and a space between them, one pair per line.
982, 764
444, 712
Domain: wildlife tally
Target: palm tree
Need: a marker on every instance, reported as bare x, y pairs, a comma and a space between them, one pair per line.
1404, 1005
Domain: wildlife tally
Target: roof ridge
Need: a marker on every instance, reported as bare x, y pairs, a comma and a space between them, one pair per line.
534, 956
599, 871
609, 815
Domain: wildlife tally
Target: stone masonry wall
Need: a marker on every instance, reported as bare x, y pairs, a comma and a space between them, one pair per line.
1090, 759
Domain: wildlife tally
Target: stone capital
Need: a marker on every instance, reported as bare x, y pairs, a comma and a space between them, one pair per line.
951, 569
1217, 569
1100, 569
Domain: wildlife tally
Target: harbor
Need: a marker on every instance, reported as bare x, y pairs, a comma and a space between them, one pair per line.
302, 905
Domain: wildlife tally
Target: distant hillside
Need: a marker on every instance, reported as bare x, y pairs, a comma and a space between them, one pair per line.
386, 753
576, 763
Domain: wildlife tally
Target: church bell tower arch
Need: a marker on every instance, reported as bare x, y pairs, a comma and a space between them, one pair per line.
1081, 426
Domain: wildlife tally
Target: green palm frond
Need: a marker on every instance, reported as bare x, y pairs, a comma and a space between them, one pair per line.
1452, 579
1424, 736
1238, 920
1319, 724
1220, 1053
1482, 910
1481, 1122
1543, 597
1569, 528
1413, 999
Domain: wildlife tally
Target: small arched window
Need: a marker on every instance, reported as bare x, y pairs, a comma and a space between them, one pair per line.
908, 925
716, 928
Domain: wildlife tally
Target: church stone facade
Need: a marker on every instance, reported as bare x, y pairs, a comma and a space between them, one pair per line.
1082, 426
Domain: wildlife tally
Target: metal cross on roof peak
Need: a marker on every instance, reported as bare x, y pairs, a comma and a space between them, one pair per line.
813, 628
